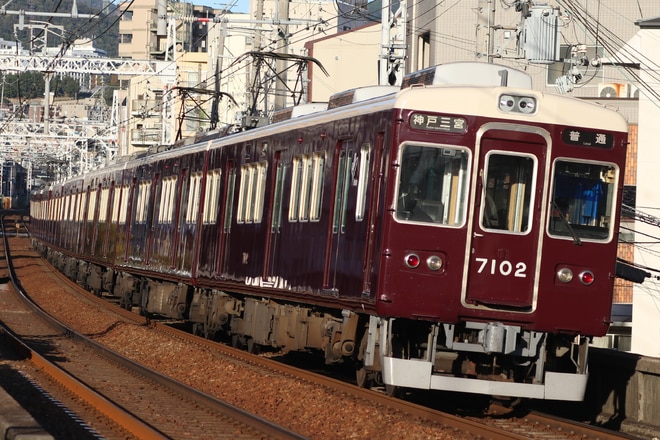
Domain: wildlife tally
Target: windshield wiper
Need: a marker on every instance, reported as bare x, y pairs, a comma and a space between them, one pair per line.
576, 239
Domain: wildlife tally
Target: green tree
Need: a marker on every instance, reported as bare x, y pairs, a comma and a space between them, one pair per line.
66, 86
27, 85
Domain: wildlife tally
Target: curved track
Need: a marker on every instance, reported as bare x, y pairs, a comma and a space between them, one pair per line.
139, 400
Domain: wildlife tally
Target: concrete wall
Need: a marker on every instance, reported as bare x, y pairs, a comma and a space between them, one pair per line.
623, 392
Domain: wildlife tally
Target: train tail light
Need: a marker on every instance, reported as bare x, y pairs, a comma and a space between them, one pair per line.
587, 277
412, 261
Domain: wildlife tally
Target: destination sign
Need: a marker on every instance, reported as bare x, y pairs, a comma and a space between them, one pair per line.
450, 124
587, 138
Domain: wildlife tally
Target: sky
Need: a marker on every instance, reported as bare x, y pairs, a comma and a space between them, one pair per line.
240, 5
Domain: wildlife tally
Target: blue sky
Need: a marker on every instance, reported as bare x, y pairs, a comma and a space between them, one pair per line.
241, 5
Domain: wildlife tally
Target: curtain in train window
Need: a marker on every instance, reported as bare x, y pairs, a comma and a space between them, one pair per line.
582, 198
433, 185
508, 187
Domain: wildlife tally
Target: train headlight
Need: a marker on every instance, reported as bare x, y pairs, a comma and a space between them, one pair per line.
565, 275
412, 261
527, 104
434, 262
507, 103
587, 277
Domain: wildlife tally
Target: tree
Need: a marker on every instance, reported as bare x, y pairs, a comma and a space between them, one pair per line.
66, 86
27, 85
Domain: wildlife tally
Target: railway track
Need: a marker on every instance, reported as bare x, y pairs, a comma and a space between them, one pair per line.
435, 423
140, 401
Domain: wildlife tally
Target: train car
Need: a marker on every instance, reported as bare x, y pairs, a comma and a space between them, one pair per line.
458, 233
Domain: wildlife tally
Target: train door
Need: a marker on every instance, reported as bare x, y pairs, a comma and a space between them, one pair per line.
510, 181
225, 221
375, 179
343, 163
352, 223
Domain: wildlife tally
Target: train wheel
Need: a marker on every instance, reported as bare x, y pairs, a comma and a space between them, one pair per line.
252, 347
364, 378
392, 390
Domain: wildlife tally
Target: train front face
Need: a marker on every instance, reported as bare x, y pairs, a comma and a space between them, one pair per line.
499, 242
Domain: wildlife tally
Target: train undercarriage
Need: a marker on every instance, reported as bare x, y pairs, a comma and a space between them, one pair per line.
473, 357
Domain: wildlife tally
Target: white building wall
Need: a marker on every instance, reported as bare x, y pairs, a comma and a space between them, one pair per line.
646, 296
351, 60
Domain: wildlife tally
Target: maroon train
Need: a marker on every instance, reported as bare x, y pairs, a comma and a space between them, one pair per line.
441, 236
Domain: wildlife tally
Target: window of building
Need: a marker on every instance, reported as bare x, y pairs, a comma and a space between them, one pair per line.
424, 51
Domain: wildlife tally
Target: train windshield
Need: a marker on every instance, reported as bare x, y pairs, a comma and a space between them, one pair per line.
582, 198
432, 184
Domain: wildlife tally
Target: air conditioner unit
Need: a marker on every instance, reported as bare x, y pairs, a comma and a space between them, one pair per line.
613, 90
634, 91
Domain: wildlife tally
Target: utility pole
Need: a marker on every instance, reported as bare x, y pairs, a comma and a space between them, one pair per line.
485, 29
391, 65
283, 34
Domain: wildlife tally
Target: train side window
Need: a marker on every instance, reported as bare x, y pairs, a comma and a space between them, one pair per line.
67, 205
123, 208
193, 198
276, 220
363, 179
341, 190
211, 196
103, 209
142, 201
294, 196
582, 199
229, 203
432, 184
508, 192
92, 205
306, 183
316, 190
306, 187
166, 207
251, 193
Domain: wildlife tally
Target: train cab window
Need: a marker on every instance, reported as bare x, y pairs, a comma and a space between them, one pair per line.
432, 184
507, 192
582, 200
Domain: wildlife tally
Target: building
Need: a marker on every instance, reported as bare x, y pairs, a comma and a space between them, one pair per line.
646, 296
